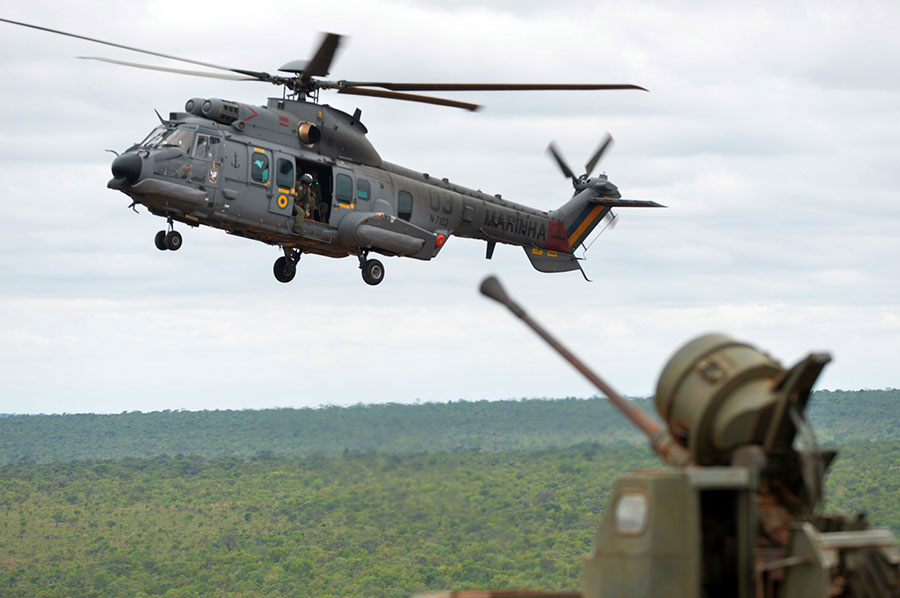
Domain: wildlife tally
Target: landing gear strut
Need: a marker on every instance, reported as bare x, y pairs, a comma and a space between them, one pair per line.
170, 240
372, 270
285, 267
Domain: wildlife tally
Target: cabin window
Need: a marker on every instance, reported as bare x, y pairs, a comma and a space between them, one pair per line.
259, 167
363, 190
285, 174
404, 205
344, 188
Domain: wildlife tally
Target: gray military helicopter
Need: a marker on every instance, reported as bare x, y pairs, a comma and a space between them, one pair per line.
241, 168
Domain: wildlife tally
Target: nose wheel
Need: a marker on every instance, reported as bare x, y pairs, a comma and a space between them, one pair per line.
372, 270
170, 240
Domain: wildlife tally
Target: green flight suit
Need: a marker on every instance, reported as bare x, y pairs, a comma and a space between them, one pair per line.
304, 204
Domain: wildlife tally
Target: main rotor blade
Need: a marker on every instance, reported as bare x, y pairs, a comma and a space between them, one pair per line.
487, 86
589, 167
392, 95
321, 61
166, 69
255, 74
559, 160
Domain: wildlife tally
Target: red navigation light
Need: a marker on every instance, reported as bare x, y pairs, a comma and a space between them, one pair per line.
441, 239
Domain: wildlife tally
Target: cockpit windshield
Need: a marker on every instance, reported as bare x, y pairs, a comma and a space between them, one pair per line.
155, 136
180, 138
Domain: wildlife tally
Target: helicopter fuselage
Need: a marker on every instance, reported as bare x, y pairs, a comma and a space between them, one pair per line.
237, 168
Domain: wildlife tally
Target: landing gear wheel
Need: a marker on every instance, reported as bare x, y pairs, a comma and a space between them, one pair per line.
373, 272
160, 240
173, 240
284, 270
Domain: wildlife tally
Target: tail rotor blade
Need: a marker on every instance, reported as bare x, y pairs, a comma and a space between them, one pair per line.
592, 163
562, 163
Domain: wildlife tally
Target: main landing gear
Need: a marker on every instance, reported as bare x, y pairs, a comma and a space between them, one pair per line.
372, 270
170, 240
285, 267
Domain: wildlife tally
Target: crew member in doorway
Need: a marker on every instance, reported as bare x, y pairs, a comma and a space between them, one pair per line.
321, 204
305, 202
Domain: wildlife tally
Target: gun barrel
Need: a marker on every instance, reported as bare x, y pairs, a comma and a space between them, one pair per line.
660, 438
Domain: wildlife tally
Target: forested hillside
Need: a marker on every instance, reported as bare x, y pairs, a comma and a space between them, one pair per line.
838, 416
358, 525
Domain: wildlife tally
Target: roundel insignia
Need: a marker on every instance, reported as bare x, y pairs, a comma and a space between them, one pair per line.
282, 201
213, 175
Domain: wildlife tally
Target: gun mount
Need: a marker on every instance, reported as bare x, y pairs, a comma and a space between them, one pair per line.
737, 511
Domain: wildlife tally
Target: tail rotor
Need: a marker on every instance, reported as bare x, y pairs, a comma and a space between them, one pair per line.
579, 181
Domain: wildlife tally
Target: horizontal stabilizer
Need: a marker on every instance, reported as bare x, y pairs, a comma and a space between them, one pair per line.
611, 202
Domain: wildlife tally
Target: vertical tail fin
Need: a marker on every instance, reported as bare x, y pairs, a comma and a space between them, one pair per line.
580, 216
574, 221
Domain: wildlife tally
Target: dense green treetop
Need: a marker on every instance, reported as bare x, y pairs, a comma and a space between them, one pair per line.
381, 500
838, 416
356, 525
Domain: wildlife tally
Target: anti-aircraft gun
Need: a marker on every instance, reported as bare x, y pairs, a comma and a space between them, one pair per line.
737, 512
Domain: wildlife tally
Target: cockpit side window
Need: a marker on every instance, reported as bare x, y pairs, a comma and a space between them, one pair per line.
215, 149
202, 149
208, 147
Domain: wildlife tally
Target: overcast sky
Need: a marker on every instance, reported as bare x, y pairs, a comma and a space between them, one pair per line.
772, 132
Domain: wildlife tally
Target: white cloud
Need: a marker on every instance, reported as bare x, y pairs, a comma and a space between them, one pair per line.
771, 132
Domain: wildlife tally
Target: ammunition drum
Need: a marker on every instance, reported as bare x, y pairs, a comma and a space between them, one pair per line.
715, 395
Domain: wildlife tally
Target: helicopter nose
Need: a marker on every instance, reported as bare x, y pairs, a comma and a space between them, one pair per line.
127, 166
